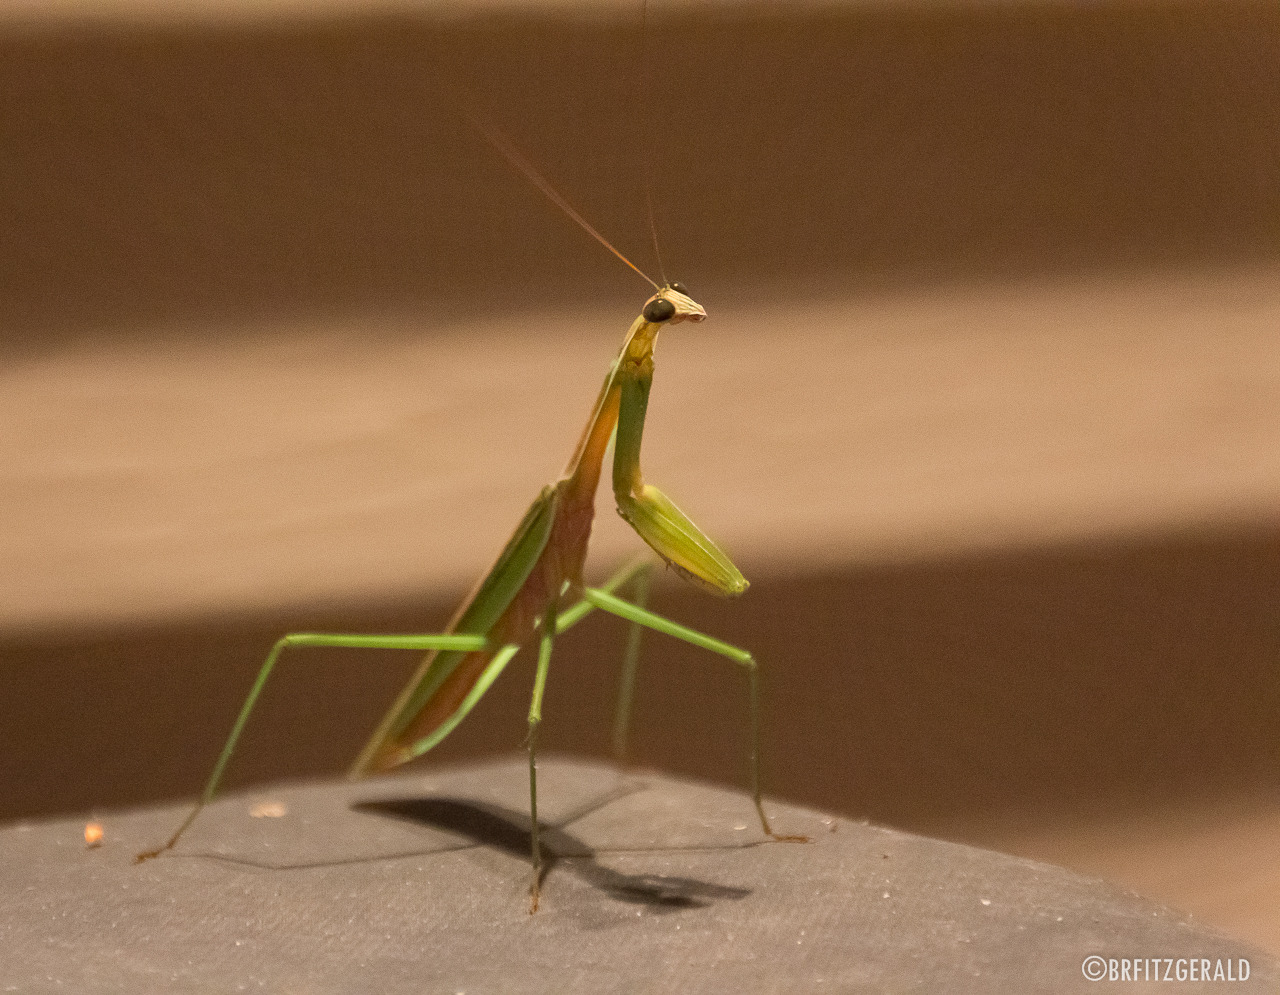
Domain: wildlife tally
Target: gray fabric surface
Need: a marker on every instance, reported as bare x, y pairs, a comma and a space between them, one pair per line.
418, 884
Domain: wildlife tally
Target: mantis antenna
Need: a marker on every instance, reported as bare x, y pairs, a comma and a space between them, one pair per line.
499, 141
646, 83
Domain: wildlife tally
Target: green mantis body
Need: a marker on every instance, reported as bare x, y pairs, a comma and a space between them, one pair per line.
535, 590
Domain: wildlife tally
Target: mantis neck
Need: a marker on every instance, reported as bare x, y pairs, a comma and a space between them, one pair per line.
582, 474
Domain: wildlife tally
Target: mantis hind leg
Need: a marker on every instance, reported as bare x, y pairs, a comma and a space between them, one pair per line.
427, 642
638, 575
630, 666
637, 615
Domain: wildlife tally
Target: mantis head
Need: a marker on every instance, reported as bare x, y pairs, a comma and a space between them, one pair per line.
671, 304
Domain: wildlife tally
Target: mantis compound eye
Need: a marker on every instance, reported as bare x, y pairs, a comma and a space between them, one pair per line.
680, 288
659, 310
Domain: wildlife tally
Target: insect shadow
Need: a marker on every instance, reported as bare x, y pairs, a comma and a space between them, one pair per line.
508, 830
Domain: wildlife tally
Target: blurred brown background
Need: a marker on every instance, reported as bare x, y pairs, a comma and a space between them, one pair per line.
987, 409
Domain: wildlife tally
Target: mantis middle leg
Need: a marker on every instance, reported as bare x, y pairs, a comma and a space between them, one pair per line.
535, 719
607, 601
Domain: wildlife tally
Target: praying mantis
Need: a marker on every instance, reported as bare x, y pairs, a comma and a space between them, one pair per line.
535, 590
